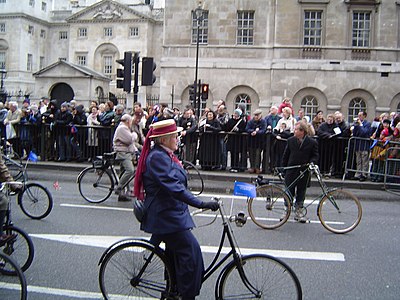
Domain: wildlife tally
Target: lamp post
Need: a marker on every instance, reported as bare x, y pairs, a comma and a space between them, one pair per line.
199, 17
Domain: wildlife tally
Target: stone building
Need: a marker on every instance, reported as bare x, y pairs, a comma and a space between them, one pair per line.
324, 54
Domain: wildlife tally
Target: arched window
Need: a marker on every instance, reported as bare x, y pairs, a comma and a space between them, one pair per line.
244, 98
355, 106
309, 104
398, 108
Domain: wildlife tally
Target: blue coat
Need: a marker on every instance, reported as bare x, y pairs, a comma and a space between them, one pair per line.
167, 196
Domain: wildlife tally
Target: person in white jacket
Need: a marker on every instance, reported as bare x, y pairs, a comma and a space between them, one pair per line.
124, 146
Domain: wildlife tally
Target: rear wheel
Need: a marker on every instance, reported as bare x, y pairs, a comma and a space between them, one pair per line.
271, 207
11, 287
20, 249
95, 185
340, 211
135, 270
259, 277
35, 201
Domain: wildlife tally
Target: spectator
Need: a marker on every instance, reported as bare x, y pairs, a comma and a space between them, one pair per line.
119, 111
106, 120
137, 127
273, 118
235, 140
300, 115
223, 118
256, 128
63, 120
25, 134
209, 148
93, 141
49, 119
287, 118
35, 119
327, 144
78, 133
3, 116
378, 153
269, 155
13, 118
311, 130
168, 113
362, 130
43, 105
286, 103
340, 140
281, 136
189, 135
318, 120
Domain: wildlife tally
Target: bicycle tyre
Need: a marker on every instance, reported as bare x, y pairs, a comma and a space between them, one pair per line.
343, 218
269, 276
20, 249
271, 207
35, 201
194, 178
12, 287
95, 185
120, 266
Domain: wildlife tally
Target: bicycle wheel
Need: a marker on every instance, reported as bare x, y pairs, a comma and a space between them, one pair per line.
339, 211
135, 270
195, 181
35, 201
95, 185
260, 277
271, 207
11, 287
20, 249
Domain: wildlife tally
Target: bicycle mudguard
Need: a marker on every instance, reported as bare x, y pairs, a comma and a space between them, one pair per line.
121, 242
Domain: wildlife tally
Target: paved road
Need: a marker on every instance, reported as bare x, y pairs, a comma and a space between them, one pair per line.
363, 264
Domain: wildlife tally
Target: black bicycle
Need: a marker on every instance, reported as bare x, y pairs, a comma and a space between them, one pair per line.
19, 248
11, 287
137, 269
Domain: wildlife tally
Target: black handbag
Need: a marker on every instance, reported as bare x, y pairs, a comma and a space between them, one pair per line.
139, 210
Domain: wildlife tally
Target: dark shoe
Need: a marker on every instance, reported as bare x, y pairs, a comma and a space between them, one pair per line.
299, 215
7, 238
117, 191
363, 178
124, 198
80, 159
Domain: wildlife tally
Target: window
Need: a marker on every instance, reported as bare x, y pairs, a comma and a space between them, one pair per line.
62, 58
245, 99
312, 28
361, 27
81, 60
355, 106
309, 104
3, 1
133, 31
63, 35
41, 62
108, 31
398, 107
202, 26
82, 32
108, 62
44, 6
29, 62
31, 30
245, 28
32, 3
43, 33
2, 27
2, 60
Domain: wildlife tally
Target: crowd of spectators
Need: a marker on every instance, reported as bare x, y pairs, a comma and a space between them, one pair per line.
255, 140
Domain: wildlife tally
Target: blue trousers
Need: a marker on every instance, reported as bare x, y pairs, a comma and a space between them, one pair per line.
184, 253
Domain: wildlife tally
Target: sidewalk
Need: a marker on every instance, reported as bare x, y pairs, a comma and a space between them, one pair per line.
223, 181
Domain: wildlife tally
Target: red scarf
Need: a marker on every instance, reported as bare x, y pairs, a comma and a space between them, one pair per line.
138, 189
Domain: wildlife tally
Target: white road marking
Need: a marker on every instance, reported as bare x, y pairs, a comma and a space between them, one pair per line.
106, 241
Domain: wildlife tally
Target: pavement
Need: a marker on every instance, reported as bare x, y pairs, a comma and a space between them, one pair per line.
223, 181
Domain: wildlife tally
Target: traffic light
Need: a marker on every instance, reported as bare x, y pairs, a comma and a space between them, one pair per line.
204, 91
126, 73
148, 67
192, 92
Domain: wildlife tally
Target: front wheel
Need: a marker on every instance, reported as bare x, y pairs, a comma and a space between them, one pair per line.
35, 200
340, 211
135, 270
20, 249
271, 207
11, 287
259, 277
195, 181
95, 185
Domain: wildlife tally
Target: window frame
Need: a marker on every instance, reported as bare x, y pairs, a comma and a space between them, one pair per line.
44, 6
31, 29
362, 30
29, 62
322, 28
108, 64
32, 3
203, 28
81, 58
3, 62
3, 27
82, 30
42, 61
132, 30
244, 98
63, 35
43, 33
241, 29
107, 31
352, 112
310, 105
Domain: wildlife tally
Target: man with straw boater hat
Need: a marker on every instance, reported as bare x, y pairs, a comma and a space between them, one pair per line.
162, 183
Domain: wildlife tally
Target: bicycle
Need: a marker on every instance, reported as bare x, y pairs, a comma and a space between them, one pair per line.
12, 160
11, 287
339, 211
194, 179
135, 268
19, 248
97, 182
35, 200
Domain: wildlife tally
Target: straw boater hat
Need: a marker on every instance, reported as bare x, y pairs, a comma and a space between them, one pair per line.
165, 127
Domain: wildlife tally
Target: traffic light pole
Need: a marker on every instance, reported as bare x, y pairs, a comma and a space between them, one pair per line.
136, 76
197, 98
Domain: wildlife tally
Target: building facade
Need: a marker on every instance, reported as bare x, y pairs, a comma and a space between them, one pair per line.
324, 54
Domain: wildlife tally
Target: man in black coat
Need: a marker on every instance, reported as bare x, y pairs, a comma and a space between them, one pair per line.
300, 149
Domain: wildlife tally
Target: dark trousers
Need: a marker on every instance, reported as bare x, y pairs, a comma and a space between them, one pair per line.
298, 190
184, 253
